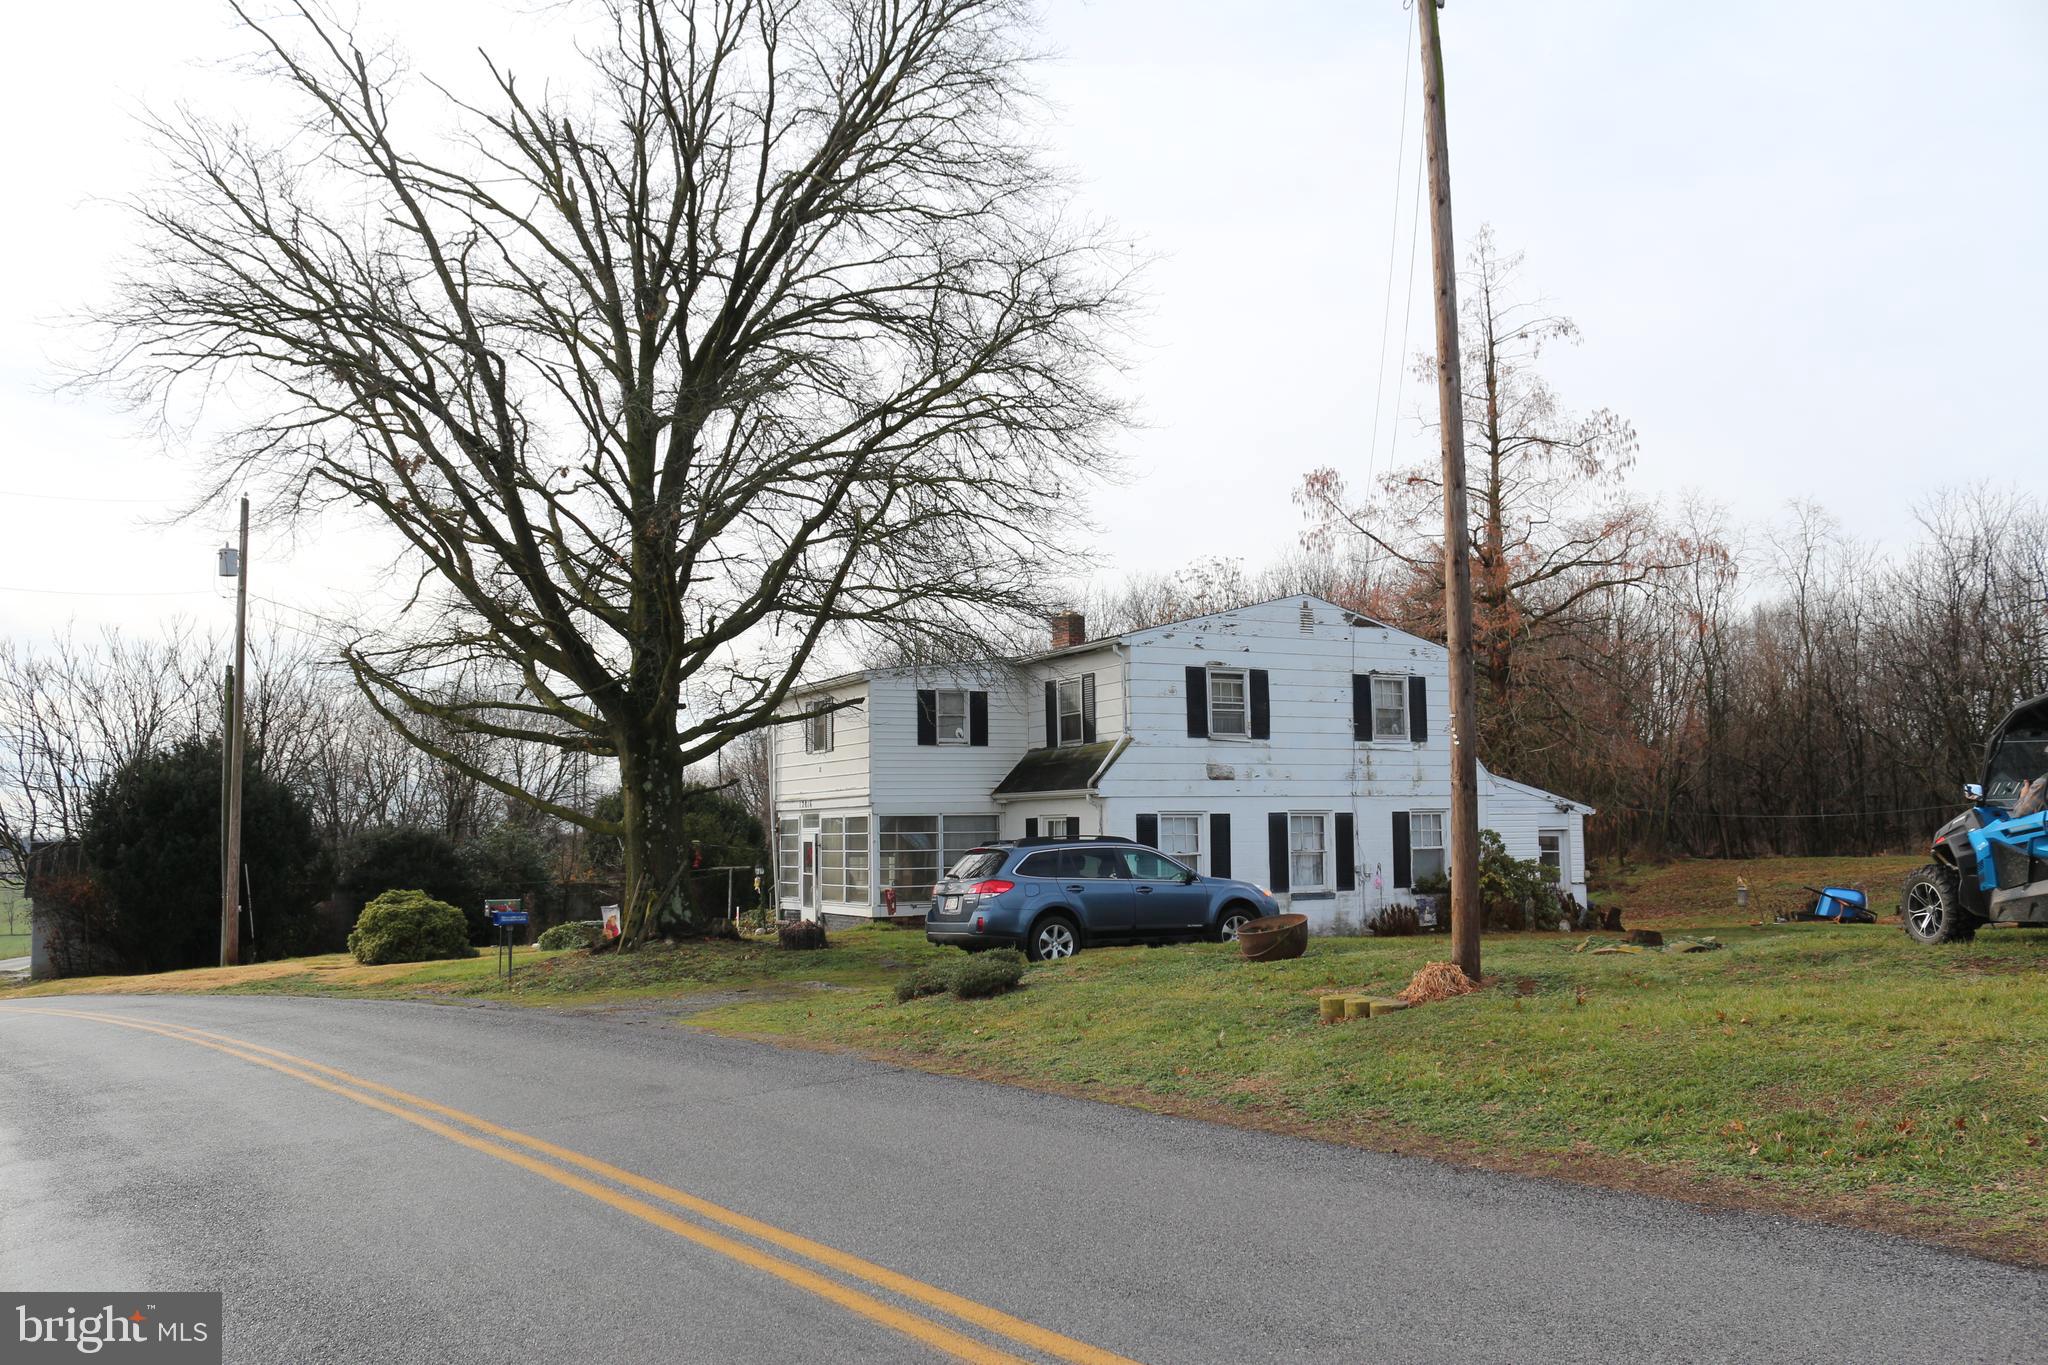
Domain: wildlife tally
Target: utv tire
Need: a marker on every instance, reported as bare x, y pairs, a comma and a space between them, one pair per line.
1052, 938
1931, 904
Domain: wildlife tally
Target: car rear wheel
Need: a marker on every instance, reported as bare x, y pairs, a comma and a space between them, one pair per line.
1932, 907
1233, 918
1052, 938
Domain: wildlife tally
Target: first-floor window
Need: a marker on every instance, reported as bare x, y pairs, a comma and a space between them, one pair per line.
1426, 844
1180, 838
1062, 827
1550, 853
910, 855
1308, 852
843, 859
916, 849
786, 838
965, 832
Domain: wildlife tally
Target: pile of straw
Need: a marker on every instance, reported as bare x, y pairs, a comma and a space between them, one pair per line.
1438, 981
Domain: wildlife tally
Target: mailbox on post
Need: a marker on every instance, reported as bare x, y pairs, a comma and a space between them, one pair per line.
506, 914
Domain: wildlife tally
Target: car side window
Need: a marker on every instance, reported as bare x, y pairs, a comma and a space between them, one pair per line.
1150, 867
1095, 865
1042, 865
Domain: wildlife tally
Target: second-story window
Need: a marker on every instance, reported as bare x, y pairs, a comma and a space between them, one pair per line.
951, 708
1390, 709
818, 734
1227, 706
1072, 714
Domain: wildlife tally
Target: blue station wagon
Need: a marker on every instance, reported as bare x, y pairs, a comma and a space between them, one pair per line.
1053, 897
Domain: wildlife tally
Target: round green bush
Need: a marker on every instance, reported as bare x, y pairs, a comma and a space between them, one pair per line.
932, 980
408, 926
577, 933
988, 974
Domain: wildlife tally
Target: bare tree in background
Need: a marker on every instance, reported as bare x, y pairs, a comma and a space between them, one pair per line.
77, 709
1554, 531
776, 330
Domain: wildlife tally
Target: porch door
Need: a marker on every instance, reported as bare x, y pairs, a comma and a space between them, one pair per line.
807, 875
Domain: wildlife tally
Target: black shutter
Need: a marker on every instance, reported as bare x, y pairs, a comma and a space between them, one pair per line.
1031, 827
1198, 702
1262, 706
1087, 708
1148, 830
1418, 710
1361, 707
1052, 714
977, 719
1347, 852
1219, 845
1276, 850
1401, 860
927, 716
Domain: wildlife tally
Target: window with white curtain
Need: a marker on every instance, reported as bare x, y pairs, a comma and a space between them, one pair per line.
1180, 838
1390, 709
1308, 847
1426, 844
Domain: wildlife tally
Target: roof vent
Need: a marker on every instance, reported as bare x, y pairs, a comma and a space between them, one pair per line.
1308, 619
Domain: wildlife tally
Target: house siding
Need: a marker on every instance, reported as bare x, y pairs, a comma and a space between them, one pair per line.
1309, 761
909, 778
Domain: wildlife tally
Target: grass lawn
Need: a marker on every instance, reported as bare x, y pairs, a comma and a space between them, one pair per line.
1839, 1073
13, 922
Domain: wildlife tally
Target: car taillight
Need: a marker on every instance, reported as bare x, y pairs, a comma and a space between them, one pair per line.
990, 888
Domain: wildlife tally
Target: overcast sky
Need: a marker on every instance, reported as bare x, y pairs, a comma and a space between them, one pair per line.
1804, 243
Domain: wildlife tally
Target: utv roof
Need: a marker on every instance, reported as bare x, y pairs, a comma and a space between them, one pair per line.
2034, 710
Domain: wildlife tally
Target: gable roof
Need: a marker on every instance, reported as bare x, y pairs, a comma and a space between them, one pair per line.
1349, 617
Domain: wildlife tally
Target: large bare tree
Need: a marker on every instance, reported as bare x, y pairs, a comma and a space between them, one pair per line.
1555, 531
767, 326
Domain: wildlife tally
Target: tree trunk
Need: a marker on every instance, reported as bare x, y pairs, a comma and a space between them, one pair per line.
657, 855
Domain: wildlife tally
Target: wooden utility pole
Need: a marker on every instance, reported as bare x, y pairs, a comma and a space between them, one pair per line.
231, 855
1464, 850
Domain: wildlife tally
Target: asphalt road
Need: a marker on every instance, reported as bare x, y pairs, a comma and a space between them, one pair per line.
342, 1231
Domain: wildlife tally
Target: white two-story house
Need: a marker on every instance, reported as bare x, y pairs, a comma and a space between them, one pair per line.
1291, 743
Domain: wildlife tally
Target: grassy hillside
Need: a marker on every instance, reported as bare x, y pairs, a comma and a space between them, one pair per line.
1842, 1073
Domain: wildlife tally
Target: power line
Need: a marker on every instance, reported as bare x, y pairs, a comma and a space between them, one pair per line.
1393, 242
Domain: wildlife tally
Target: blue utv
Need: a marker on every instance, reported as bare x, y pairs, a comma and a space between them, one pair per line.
1991, 862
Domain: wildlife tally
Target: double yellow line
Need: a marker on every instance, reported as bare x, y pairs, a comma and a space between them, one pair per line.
563, 1164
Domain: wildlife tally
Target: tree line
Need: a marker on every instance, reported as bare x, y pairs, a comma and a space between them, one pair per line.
1713, 689
110, 766
1795, 691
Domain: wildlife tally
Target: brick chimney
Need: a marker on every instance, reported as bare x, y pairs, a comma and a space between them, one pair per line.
1069, 628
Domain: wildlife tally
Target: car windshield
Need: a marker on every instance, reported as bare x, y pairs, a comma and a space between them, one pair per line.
2021, 756
975, 864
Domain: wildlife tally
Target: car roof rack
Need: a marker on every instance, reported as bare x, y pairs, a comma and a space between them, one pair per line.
1046, 840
